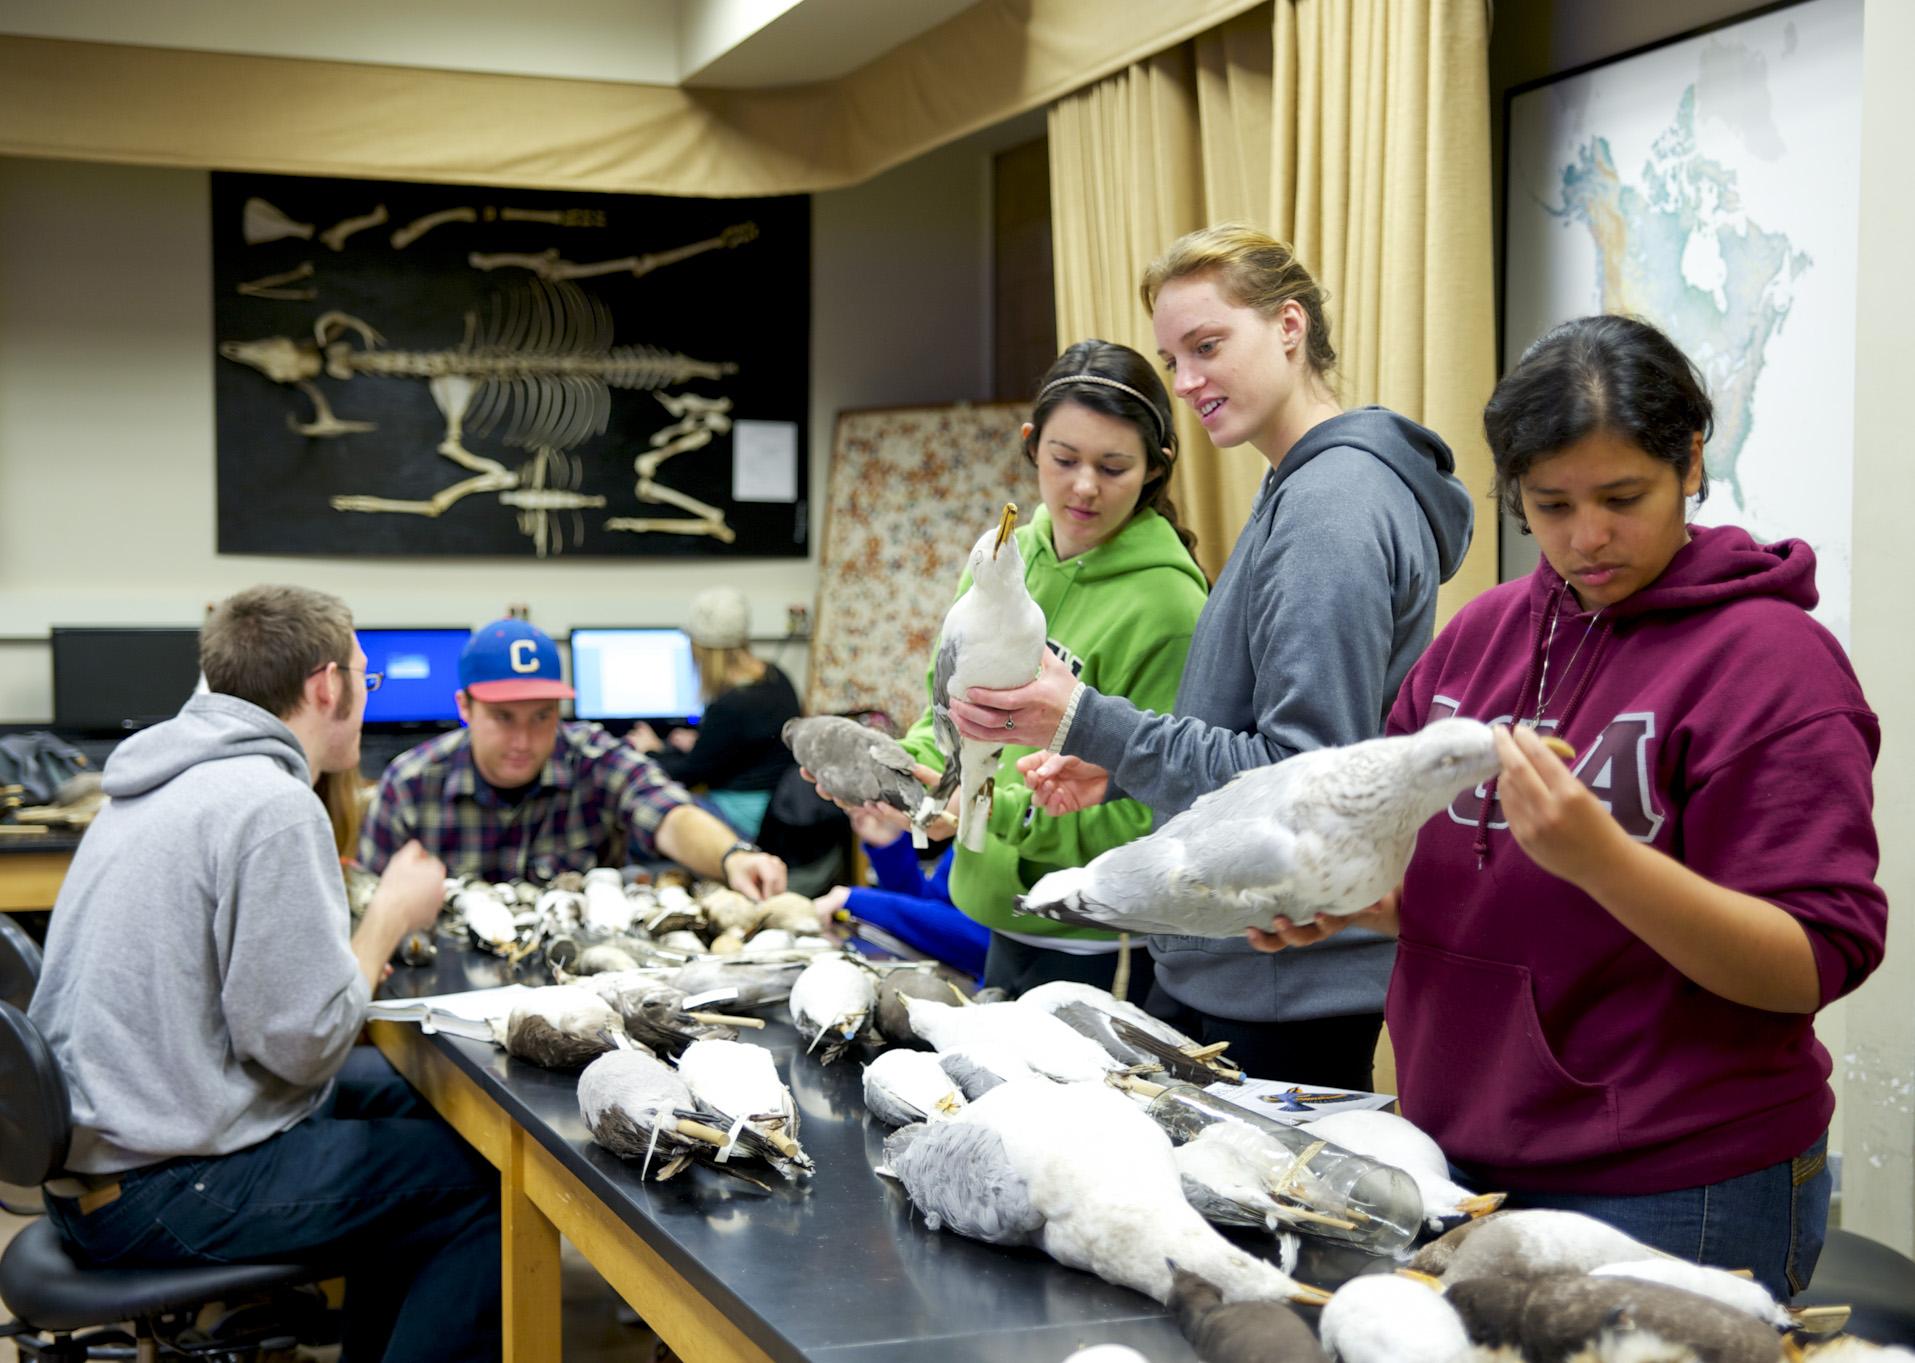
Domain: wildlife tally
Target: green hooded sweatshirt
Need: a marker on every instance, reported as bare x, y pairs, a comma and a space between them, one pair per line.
1121, 615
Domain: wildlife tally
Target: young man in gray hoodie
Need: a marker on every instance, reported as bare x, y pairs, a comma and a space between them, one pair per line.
203, 988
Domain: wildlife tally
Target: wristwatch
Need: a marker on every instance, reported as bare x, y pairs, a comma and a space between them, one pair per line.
740, 846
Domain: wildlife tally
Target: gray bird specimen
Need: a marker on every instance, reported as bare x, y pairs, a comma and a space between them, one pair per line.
993, 636
858, 765
1240, 1331
1550, 1318
1324, 832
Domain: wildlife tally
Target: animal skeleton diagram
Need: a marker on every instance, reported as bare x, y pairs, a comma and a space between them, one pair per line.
544, 362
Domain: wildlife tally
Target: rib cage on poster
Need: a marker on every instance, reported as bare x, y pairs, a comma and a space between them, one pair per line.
432, 370
1711, 186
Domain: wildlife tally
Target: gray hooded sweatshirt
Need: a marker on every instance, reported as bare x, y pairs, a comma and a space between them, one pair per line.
1328, 597
200, 990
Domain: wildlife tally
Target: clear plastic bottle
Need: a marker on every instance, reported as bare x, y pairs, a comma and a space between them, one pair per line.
1335, 1192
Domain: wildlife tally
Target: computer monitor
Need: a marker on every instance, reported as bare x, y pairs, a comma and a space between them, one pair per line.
634, 674
116, 680
421, 668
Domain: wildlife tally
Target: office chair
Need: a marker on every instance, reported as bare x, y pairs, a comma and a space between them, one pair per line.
1877, 1283
53, 1297
19, 963
19, 973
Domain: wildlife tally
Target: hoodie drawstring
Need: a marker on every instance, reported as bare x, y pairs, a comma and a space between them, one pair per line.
1481, 844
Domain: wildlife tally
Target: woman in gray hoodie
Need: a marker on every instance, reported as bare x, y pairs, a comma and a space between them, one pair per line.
1326, 600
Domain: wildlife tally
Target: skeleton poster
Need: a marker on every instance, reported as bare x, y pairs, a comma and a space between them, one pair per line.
430, 370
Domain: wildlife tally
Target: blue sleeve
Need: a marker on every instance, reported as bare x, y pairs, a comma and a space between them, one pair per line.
896, 866
934, 928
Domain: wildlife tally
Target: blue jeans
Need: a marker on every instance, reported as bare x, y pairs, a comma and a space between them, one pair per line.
1772, 1222
374, 1182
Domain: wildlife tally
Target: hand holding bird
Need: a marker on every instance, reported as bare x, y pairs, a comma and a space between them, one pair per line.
1032, 712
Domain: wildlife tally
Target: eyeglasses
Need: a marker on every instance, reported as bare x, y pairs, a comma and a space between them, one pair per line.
374, 680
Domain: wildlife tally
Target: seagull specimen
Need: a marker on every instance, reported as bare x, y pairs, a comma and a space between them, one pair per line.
1080, 1172
1131, 1036
1397, 1140
1324, 832
1383, 1318
560, 1027
637, 1108
1526, 1243
1023, 1037
739, 1085
831, 1005
993, 636
902, 1086
1238, 1332
859, 765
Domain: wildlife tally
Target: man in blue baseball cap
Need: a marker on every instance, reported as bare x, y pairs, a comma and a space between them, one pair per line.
519, 795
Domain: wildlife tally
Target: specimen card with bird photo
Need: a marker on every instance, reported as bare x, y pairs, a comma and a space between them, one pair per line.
1297, 1104
411, 369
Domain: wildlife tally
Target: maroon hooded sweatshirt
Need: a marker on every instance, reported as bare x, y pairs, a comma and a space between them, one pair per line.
1543, 1044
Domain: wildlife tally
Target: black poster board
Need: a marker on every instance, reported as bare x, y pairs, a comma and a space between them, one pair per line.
441, 370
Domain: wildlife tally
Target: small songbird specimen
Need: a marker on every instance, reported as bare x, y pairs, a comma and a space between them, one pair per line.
1324, 832
993, 636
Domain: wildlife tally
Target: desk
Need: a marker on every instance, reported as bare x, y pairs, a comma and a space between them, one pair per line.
833, 1269
32, 867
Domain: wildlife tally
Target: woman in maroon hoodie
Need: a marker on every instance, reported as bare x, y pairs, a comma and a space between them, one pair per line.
1608, 970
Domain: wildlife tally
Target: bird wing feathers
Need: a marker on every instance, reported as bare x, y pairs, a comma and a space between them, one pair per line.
959, 1175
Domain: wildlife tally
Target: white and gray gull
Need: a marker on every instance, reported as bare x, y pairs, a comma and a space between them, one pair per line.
1324, 832
993, 636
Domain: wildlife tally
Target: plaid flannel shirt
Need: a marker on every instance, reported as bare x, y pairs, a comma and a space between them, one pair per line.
593, 793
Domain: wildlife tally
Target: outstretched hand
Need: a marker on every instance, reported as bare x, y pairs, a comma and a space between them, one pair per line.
1026, 715
1382, 916
879, 824
1063, 785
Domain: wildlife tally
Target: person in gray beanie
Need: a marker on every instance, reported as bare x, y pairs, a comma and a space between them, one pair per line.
735, 752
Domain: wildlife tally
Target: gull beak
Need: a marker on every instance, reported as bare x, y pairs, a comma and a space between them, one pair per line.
1006, 524
1560, 748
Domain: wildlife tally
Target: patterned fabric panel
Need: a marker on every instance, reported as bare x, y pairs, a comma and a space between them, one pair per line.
911, 490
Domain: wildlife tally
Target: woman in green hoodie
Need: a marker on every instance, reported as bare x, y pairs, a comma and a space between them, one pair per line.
1110, 565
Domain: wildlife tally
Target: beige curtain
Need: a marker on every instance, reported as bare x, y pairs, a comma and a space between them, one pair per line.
1359, 131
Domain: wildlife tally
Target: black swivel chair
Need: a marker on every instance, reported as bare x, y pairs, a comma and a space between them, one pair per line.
19, 963
50, 1293
1871, 1278
19, 973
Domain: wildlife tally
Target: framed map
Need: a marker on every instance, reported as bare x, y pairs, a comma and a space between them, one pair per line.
1711, 186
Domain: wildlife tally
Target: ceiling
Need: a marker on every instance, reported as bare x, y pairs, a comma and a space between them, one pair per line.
701, 43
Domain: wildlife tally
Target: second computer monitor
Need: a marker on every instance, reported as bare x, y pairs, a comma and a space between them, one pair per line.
634, 674
421, 668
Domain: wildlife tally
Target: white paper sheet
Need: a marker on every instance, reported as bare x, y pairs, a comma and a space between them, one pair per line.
764, 461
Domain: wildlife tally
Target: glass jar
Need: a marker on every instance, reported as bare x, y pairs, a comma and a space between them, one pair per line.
1324, 1189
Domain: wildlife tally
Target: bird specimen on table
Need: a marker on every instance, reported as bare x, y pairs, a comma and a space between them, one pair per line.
1019, 1036
1386, 1318
1551, 1316
891, 1019
560, 1027
902, 1086
831, 1005
739, 1085
859, 766
1129, 1034
1397, 1140
1527, 1243
1226, 1172
993, 636
1240, 1331
656, 1015
1080, 1172
638, 1108
736, 983
1324, 832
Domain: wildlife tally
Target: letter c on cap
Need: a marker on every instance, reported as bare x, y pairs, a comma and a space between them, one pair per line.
525, 655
